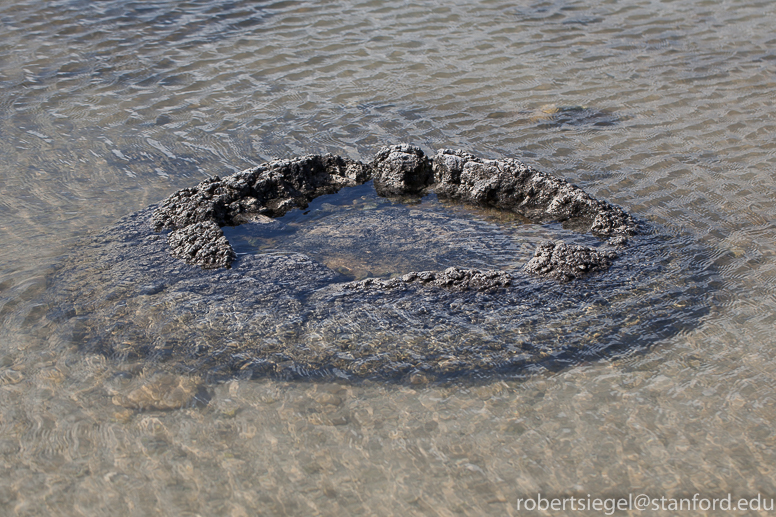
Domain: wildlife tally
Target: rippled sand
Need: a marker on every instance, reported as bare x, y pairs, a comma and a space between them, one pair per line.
662, 108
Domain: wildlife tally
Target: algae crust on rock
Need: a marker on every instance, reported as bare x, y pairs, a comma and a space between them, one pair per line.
195, 214
165, 284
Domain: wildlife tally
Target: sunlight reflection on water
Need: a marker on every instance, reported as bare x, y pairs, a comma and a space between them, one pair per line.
662, 108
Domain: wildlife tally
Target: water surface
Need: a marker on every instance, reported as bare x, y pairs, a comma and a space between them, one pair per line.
664, 108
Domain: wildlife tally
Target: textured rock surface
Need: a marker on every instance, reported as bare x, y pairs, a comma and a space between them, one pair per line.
271, 189
511, 185
452, 278
562, 262
401, 169
203, 244
274, 188
285, 314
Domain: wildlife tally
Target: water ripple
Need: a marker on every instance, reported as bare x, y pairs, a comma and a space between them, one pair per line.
662, 107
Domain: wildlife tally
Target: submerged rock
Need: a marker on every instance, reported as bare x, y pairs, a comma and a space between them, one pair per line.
563, 262
451, 278
554, 116
164, 283
160, 392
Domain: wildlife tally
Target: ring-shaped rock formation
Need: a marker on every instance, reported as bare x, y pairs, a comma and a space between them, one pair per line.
165, 283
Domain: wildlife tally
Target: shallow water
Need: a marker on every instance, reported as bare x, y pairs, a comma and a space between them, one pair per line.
664, 108
360, 234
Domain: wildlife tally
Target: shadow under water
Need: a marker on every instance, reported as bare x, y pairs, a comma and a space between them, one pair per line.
552, 116
286, 307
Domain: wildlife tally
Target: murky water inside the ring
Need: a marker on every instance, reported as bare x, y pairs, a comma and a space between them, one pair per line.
665, 108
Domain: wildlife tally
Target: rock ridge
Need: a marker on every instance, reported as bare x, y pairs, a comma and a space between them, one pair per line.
194, 216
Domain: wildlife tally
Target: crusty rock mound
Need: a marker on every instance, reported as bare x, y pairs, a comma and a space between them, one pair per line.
401, 169
512, 185
202, 243
196, 214
271, 189
562, 262
452, 278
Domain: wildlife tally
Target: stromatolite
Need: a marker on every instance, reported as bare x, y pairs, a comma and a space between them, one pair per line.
271, 190
164, 283
194, 214
512, 185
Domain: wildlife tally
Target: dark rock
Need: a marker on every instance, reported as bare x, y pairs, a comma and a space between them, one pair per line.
507, 184
401, 169
127, 293
276, 187
511, 185
562, 262
203, 244
462, 279
271, 189
452, 278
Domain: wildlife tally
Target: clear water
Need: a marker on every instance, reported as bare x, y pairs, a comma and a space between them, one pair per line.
664, 108
360, 234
